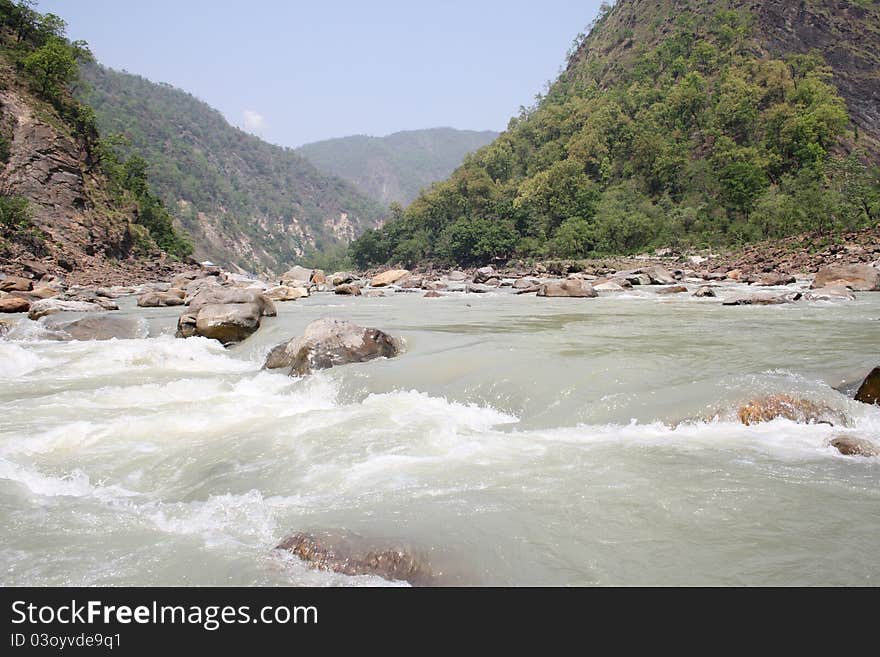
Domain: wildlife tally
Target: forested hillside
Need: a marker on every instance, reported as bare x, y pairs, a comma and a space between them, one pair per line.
675, 123
394, 169
244, 201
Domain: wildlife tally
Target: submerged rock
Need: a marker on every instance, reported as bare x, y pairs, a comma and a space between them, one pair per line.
869, 391
772, 407
350, 555
852, 446
760, 299
861, 278
330, 342
99, 327
572, 287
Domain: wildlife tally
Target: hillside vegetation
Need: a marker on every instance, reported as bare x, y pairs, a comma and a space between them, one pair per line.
674, 123
394, 169
244, 201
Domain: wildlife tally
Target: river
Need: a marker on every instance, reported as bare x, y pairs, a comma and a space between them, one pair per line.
517, 441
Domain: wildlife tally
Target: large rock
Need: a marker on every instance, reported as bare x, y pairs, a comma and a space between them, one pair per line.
526, 282
705, 292
483, 274
297, 275
659, 276
861, 278
852, 446
760, 299
774, 279
100, 327
14, 305
458, 276
350, 555
341, 277
330, 342
51, 306
233, 295
228, 322
16, 284
348, 289
286, 293
869, 391
572, 287
161, 299
389, 277
772, 407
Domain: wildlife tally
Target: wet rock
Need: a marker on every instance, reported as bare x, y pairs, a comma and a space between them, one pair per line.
51, 306
773, 279
286, 293
16, 284
860, 278
228, 323
14, 305
833, 293
760, 299
160, 299
222, 295
350, 555
869, 391
389, 277
330, 342
348, 289
297, 275
852, 446
572, 287
672, 289
772, 407
100, 327
483, 274
705, 292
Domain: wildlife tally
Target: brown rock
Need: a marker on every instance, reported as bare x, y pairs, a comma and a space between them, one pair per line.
223, 295
389, 277
672, 289
286, 293
16, 284
852, 446
228, 322
348, 289
869, 391
766, 409
860, 278
705, 292
774, 279
159, 299
572, 287
432, 294
14, 305
350, 555
760, 299
318, 277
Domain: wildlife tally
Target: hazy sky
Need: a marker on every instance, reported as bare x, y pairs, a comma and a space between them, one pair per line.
295, 72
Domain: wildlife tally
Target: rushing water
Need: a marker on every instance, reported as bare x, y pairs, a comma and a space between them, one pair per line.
517, 441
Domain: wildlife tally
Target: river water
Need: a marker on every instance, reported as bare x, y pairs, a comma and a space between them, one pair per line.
517, 441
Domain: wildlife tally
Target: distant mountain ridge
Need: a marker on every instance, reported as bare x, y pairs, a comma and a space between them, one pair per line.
395, 168
244, 201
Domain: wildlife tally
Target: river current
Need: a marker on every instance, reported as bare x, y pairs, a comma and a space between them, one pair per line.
516, 441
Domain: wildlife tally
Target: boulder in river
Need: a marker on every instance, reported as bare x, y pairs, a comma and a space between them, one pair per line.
658, 276
772, 407
350, 555
830, 293
224, 295
571, 287
853, 446
760, 299
705, 292
99, 327
525, 283
432, 294
869, 391
348, 289
51, 306
483, 274
330, 342
297, 275
860, 278
286, 293
341, 277
14, 305
389, 277
672, 289
161, 299
228, 323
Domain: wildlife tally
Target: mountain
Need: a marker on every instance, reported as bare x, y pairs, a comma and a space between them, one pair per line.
674, 123
394, 169
66, 205
244, 202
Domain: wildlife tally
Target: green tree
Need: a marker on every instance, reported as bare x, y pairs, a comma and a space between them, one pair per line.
51, 67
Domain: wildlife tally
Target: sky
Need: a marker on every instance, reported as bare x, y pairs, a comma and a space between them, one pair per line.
296, 72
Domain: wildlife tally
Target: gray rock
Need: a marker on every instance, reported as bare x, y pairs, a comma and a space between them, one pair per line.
228, 322
852, 446
760, 299
99, 327
330, 342
483, 274
297, 275
833, 293
705, 292
227, 295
